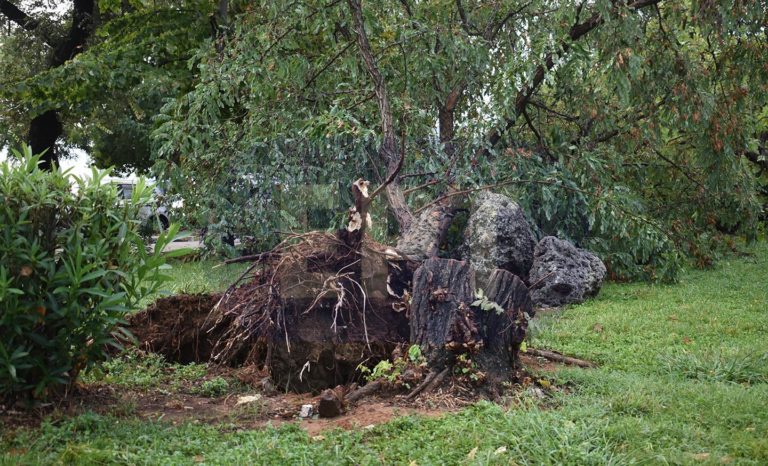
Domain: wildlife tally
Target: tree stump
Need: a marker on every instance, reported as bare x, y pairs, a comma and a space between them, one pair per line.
444, 323
441, 318
504, 332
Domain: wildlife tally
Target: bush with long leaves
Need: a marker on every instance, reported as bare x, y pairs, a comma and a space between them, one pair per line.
72, 265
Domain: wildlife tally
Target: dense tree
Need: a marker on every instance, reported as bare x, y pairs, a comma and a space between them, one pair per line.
102, 100
635, 128
619, 124
45, 126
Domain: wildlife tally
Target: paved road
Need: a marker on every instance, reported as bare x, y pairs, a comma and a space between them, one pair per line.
194, 244
183, 244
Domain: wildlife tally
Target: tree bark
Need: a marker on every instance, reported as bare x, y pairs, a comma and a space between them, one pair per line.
444, 323
44, 130
441, 318
506, 331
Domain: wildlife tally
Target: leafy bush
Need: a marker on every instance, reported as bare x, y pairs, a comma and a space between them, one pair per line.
72, 265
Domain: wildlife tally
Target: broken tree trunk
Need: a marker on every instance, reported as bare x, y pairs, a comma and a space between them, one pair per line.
504, 332
445, 324
441, 318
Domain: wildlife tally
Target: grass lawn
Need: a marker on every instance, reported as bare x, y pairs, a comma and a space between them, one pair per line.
683, 379
204, 276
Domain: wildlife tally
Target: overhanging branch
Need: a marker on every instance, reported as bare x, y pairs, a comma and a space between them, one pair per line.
23, 20
576, 32
387, 150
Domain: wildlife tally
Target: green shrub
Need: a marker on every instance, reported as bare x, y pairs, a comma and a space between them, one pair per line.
71, 266
212, 388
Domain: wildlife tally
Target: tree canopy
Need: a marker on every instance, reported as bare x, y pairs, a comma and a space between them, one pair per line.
636, 128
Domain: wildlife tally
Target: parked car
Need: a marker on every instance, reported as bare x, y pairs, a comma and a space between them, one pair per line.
155, 211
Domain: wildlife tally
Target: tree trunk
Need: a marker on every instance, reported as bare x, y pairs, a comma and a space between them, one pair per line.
388, 150
44, 130
425, 236
444, 323
505, 332
441, 318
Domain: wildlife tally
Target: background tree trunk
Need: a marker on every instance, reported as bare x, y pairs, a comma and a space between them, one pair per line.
46, 128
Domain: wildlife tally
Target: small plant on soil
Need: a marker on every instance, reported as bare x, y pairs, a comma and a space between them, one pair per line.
486, 304
382, 370
213, 388
395, 372
467, 370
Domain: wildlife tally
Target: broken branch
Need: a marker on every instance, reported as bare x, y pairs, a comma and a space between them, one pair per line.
557, 357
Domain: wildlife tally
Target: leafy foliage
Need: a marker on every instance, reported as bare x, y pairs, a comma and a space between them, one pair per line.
71, 266
636, 129
632, 144
135, 60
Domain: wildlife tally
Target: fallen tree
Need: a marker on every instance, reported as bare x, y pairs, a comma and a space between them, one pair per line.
320, 305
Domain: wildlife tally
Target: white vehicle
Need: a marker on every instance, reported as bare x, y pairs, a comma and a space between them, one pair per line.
155, 210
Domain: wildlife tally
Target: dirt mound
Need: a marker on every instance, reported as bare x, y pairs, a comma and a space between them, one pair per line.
173, 327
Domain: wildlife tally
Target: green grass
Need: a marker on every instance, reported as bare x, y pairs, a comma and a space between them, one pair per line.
682, 380
135, 370
202, 276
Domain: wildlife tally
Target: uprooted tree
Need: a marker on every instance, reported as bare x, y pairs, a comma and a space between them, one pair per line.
611, 121
321, 305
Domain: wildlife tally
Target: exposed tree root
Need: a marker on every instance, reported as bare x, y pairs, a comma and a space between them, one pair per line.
367, 390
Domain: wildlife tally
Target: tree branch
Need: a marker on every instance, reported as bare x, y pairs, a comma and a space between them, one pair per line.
387, 151
494, 31
533, 128
23, 20
393, 174
576, 32
679, 168
82, 25
468, 27
327, 65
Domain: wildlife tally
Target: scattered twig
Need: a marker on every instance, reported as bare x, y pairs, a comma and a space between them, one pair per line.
252, 257
430, 382
540, 281
421, 186
557, 357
